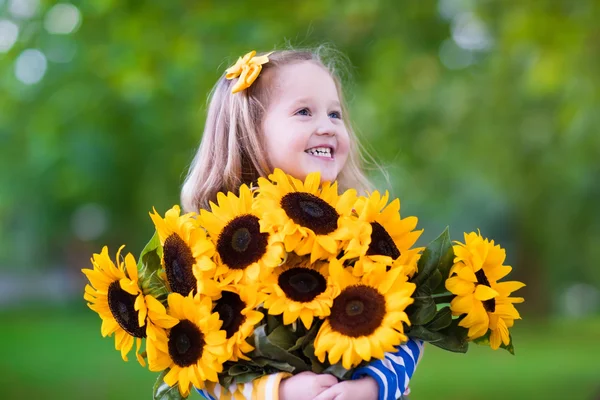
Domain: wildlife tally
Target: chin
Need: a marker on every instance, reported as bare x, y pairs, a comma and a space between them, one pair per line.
328, 172
328, 176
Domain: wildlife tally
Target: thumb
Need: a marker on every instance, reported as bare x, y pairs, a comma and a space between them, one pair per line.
326, 380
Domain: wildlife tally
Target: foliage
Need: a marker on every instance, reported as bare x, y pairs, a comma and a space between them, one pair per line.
508, 143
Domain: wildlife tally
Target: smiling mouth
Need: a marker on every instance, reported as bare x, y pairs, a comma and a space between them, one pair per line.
324, 152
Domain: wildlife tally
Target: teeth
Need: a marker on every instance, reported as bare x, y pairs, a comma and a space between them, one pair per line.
320, 151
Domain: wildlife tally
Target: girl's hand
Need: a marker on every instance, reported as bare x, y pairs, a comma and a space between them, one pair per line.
305, 386
362, 389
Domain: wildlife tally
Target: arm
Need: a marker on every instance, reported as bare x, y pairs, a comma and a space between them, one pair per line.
393, 373
385, 379
265, 387
280, 386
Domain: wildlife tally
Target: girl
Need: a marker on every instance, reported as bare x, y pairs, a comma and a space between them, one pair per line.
285, 110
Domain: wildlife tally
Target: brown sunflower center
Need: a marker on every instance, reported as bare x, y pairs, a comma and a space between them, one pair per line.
357, 311
121, 305
382, 243
241, 243
230, 307
186, 343
489, 305
302, 284
179, 260
311, 212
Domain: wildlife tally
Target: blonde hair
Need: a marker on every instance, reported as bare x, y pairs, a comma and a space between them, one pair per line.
232, 152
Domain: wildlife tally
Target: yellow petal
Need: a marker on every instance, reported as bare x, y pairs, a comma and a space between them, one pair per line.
459, 286
483, 292
363, 347
307, 318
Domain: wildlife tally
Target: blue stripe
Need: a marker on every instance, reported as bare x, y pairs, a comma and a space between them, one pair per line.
409, 364
204, 394
395, 378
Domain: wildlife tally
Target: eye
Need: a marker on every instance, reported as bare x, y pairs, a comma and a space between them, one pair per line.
335, 114
304, 112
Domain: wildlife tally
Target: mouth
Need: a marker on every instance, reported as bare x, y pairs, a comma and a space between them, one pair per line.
321, 151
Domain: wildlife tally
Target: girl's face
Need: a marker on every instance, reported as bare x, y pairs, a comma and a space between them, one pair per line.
303, 127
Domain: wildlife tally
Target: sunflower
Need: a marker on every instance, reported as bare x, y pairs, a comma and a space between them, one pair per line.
366, 317
383, 237
237, 309
478, 265
243, 252
306, 217
300, 289
185, 246
194, 349
114, 294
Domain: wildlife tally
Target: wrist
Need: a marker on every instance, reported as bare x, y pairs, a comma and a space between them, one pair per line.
282, 388
371, 387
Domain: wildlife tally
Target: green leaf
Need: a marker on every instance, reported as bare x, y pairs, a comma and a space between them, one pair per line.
339, 371
282, 338
308, 337
243, 371
239, 369
275, 346
272, 322
149, 267
434, 280
162, 391
437, 255
273, 364
309, 352
423, 309
442, 319
150, 258
485, 341
445, 339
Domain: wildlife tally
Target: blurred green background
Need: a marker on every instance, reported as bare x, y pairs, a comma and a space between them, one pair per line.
484, 113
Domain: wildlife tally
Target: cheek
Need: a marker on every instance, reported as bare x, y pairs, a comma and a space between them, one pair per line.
344, 146
283, 145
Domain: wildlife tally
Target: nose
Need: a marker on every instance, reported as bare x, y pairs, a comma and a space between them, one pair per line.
325, 127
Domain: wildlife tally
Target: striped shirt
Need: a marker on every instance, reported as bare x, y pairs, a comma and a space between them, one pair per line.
392, 375
265, 387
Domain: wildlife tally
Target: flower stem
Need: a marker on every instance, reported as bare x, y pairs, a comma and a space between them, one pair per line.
442, 298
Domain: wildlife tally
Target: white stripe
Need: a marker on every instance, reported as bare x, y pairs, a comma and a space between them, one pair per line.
409, 352
248, 390
205, 394
383, 380
218, 391
398, 360
391, 358
386, 363
421, 345
270, 386
232, 388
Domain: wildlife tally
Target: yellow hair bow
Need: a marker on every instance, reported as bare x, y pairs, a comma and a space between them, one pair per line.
247, 69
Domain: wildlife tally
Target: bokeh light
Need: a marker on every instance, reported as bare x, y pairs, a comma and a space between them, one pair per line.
23, 9
30, 66
9, 32
62, 19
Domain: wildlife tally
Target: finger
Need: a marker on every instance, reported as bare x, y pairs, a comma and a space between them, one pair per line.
306, 373
328, 394
326, 380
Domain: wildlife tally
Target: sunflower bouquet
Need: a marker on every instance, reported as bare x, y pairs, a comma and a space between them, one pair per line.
293, 276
